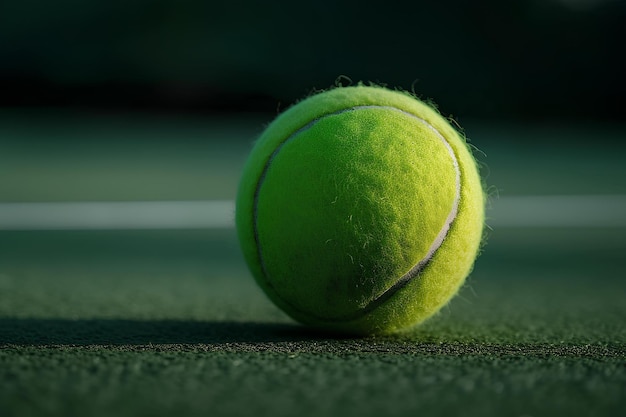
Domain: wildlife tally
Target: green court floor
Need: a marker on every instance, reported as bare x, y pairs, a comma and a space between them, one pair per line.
170, 322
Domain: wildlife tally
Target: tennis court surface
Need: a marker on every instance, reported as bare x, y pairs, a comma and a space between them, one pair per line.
108, 312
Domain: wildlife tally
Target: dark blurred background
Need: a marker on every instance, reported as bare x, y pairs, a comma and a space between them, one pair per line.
531, 60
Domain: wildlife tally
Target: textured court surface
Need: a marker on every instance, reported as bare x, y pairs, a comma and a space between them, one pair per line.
168, 322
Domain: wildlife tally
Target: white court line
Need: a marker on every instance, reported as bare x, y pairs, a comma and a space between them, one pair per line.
558, 211
513, 211
117, 215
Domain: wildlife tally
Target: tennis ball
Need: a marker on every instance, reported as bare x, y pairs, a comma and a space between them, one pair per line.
360, 210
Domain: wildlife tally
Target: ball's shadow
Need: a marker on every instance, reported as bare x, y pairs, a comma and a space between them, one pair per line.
85, 332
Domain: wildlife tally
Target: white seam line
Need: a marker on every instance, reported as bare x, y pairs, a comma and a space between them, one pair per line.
417, 268
441, 236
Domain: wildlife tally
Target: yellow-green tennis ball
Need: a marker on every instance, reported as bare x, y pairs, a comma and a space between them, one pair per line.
360, 210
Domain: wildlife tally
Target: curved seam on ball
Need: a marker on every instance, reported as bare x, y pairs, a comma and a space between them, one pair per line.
416, 269
439, 239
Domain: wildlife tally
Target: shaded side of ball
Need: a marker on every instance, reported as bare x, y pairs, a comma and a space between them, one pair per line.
360, 210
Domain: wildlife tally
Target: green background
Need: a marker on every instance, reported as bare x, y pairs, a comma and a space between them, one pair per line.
161, 100
520, 60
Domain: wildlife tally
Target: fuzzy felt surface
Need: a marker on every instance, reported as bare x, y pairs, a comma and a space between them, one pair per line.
361, 210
